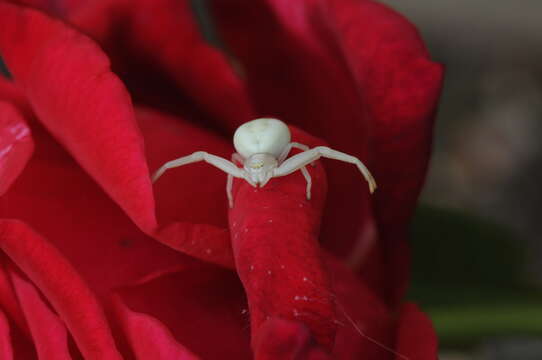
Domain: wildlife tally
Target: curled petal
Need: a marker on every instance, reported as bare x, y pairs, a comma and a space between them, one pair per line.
148, 338
10, 93
9, 302
16, 145
416, 338
185, 194
296, 72
56, 7
107, 247
283, 339
401, 87
205, 242
202, 307
70, 210
6, 350
213, 302
48, 331
275, 243
357, 75
68, 82
86, 107
62, 286
142, 30
365, 325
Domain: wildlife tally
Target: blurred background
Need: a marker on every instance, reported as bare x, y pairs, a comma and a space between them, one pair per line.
476, 236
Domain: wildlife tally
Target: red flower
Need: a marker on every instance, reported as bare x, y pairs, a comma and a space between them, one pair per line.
97, 264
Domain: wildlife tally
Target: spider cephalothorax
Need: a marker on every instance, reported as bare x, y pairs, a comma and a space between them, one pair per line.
262, 147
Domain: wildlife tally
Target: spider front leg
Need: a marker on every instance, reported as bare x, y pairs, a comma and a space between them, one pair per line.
231, 169
302, 159
214, 160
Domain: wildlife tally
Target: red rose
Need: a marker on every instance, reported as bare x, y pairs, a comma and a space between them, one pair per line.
98, 264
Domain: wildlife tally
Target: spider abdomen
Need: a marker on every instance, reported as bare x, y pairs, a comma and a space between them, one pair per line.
264, 135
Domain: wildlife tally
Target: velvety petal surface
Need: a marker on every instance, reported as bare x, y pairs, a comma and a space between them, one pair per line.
283, 339
89, 111
295, 72
139, 37
109, 250
185, 195
8, 300
204, 308
42, 4
148, 338
6, 350
365, 325
48, 332
401, 87
271, 226
210, 308
67, 80
301, 303
16, 144
62, 286
416, 338
302, 65
10, 93
56, 7
365, 328
70, 209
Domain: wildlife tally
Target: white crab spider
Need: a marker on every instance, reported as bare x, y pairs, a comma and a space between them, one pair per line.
262, 147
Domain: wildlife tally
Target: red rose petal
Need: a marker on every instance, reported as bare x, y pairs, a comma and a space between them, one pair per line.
277, 254
90, 112
203, 304
8, 300
143, 30
62, 286
68, 208
202, 307
48, 331
10, 93
6, 351
42, 4
366, 327
356, 74
401, 87
148, 338
21, 337
283, 339
416, 338
56, 7
184, 195
16, 145
295, 71
69, 84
